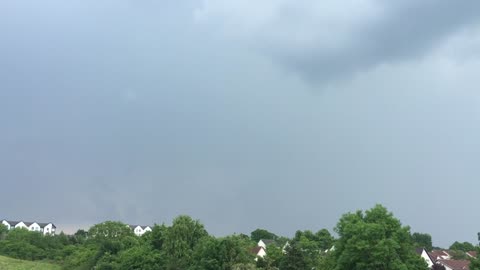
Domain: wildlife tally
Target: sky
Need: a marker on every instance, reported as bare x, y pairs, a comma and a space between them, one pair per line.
244, 114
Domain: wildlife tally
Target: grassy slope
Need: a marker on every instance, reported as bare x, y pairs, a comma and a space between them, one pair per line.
14, 264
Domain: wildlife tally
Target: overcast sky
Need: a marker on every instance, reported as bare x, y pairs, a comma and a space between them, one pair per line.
279, 114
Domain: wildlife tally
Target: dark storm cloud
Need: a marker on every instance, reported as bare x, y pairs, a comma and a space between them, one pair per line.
305, 37
132, 111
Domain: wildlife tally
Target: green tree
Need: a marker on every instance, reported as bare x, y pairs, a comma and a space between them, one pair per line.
273, 259
262, 234
223, 253
375, 240
475, 262
325, 239
465, 246
141, 257
3, 231
294, 258
180, 241
423, 240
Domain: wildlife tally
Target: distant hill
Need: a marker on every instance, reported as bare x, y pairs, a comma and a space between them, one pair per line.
14, 264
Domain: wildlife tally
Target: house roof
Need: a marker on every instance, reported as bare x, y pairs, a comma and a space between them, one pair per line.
135, 226
256, 250
12, 223
43, 225
436, 255
455, 264
472, 254
28, 223
419, 251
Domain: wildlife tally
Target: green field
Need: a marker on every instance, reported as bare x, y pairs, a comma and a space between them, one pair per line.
14, 264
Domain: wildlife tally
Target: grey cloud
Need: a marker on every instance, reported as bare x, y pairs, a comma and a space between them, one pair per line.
305, 37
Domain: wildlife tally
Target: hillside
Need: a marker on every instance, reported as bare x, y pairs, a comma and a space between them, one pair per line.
14, 264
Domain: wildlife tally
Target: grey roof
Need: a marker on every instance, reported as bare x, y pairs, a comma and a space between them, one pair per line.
28, 223
134, 226
42, 225
12, 223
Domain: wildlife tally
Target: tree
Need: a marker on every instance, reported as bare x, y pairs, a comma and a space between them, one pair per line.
475, 263
223, 253
423, 240
325, 239
140, 257
294, 258
458, 255
273, 259
465, 246
375, 240
262, 234
3, 231
180, 241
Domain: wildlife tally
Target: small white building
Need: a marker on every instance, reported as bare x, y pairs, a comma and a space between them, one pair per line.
45, 228
424, 254
259, 252
265, 242
140, 230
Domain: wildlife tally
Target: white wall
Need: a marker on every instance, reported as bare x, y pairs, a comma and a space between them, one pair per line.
21, 225
48, 229
427, 258
6, 224
34, 227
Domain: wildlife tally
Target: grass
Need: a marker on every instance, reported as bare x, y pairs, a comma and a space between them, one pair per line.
14, 264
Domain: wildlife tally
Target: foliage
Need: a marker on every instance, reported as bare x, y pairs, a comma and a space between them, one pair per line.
367, 240
423, 240
294, 258
475, 263
458, 255
222, 253
259, 234
3, 231
465, 246
375, 240
180, 240
15, 264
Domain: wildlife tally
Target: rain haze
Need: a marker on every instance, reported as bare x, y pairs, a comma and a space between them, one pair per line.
277, 114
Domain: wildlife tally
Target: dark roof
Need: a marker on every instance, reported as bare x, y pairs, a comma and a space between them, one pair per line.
42, 225
27, 223
256, 250
437, 254
419, 251
134, 226
455, 264
472, 254
12, 223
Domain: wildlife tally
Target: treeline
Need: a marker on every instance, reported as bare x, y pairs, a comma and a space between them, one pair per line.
373, 239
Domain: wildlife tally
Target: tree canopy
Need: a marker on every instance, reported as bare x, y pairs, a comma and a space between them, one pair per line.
370, 240
373, 240
423, 240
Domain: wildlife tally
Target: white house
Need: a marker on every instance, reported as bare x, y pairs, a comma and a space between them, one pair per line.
45, 228
140, 230
259, 252
264, 242
424, 254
